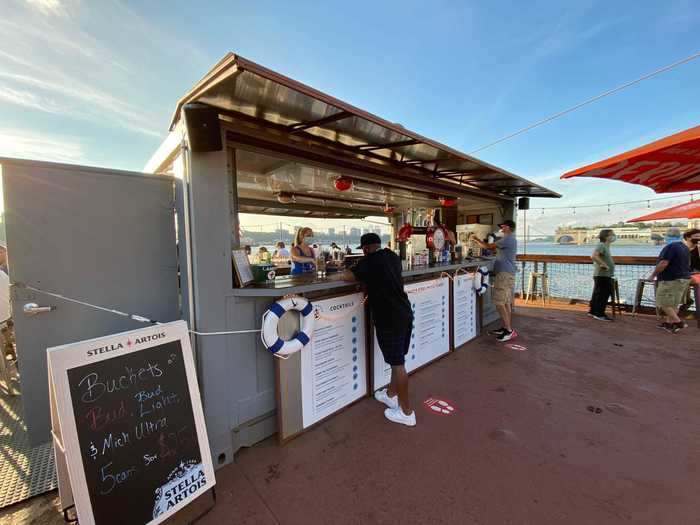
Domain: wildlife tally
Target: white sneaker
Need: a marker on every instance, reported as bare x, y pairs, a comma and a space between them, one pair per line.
383, 397
397, 416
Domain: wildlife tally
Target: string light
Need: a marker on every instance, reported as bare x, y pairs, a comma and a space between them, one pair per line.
586, 102
621, 203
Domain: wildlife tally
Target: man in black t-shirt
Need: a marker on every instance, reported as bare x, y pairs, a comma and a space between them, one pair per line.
380, 271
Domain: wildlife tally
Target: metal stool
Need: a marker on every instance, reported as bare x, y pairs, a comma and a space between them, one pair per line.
534, 279
639, 294
615, 304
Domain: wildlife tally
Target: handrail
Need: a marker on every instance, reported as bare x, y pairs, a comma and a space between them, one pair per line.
586, 259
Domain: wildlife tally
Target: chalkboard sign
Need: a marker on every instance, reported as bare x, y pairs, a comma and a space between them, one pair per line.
132, 425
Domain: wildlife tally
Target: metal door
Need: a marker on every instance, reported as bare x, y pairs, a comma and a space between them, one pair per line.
100, 236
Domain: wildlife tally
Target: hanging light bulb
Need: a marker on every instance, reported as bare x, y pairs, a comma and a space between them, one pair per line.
648, 204
574, 211
608, 208
343, 183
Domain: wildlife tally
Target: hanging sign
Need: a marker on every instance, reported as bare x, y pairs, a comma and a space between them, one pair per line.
464, 309
131, 424
430, 338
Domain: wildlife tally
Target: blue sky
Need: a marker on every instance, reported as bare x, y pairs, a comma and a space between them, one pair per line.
96, 82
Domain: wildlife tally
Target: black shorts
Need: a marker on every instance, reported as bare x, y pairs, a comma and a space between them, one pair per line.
394, 344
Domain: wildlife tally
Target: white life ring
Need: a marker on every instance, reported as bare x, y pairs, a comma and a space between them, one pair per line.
481, 280
270, 337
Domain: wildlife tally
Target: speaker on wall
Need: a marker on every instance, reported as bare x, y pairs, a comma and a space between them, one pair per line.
203, 129
524, 203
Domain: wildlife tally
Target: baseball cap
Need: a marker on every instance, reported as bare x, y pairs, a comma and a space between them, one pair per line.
507, 223
369, 238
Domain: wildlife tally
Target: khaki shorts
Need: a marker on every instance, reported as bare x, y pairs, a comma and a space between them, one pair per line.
502, 289
671, 293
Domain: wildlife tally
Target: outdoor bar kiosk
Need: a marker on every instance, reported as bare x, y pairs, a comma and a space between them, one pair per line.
248, 140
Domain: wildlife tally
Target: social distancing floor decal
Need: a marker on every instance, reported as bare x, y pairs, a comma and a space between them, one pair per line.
439, 406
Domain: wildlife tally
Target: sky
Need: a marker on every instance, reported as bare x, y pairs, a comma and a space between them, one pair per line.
96, 83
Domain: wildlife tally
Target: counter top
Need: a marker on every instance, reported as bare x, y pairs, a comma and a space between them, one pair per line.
306, 284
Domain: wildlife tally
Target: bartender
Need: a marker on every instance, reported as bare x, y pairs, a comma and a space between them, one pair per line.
303, 257
380, 272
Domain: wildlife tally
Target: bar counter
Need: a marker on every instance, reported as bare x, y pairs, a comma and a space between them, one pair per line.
309, 284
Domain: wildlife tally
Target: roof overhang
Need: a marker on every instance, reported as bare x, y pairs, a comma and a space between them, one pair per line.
240, 88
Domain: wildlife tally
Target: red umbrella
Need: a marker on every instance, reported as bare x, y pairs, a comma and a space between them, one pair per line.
689, 210
668, 165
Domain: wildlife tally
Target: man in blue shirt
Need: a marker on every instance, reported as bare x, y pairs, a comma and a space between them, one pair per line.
673, 271
503, 284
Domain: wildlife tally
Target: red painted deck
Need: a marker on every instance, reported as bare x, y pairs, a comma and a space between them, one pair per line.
595, 423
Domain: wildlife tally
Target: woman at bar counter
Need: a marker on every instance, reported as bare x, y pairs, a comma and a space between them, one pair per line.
303, 258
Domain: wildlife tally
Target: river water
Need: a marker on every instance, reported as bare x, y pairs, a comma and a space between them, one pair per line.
548, 248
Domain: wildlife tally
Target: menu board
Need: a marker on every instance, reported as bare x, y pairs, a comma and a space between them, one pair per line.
132, 425
464, 309
430, 338
241, 263
334, 363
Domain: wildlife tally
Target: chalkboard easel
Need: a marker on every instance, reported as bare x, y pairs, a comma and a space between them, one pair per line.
128, 426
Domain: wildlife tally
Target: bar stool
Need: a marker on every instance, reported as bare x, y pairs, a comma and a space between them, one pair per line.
538, 278
639, 294
616, 304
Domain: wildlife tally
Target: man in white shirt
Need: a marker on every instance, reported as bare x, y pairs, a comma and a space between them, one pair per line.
282, 252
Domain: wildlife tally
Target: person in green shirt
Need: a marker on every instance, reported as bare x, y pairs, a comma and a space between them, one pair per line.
603, 272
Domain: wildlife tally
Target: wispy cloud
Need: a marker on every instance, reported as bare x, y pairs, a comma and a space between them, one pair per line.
26, 99
88, 61
32, 145
94, 104
48, 7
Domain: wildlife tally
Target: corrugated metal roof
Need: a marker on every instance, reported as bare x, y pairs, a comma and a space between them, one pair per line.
240, 87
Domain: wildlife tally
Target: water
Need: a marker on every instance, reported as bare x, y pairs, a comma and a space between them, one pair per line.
549, 248
575, 281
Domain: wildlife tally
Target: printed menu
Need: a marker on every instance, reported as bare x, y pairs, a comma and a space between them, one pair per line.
464, 312
430, 302
334, 364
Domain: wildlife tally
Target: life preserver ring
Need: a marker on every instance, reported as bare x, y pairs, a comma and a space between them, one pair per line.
481, 280
270, 337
